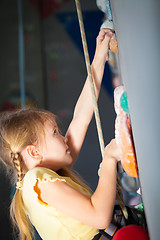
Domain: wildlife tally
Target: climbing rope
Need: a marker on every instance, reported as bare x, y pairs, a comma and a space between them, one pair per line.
95, 106
85, 48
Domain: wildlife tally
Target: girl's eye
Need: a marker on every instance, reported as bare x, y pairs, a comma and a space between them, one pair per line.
55, 132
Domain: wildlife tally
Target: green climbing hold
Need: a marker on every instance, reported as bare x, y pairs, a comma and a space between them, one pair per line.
140, 207
124, 102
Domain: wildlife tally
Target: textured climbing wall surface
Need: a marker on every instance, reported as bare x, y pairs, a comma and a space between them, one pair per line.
137, 28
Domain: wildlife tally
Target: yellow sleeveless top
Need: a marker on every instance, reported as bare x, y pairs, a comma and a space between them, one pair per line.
51, 223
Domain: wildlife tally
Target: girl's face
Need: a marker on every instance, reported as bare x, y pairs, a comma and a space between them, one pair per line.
54, 149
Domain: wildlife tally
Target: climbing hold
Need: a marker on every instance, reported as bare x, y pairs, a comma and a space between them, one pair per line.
131, 232
113, 45
105, 6
123, 132
124, 102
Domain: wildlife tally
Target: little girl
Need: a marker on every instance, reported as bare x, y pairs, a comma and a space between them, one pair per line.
49, 196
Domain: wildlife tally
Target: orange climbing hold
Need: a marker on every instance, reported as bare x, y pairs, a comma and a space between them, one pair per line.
113, 45
123, 135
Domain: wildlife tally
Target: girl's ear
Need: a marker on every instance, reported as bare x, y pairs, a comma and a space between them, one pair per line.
33, 152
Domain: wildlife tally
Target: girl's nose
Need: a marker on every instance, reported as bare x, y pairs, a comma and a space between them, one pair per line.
65, 139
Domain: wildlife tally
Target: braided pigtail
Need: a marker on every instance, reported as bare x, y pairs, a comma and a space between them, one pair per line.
16, 160
17, 211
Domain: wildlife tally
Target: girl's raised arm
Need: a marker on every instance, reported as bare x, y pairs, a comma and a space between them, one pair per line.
83, 111
95, 211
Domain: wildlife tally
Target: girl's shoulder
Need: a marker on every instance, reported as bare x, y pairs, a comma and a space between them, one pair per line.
40, 174
30, 188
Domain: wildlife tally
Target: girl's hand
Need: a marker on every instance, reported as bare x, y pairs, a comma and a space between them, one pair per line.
102, 46
112, 151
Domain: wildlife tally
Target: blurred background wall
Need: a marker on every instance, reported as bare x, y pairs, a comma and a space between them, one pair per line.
55, 72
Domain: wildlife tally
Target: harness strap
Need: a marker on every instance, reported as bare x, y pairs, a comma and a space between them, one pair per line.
108, 233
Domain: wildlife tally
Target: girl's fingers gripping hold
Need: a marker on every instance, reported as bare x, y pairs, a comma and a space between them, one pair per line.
102, 48
102, 34
112, 151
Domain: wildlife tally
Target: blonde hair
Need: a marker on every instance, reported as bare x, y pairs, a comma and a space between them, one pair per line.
19, 129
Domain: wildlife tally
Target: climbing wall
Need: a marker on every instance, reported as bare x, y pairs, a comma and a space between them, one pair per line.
137, 28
